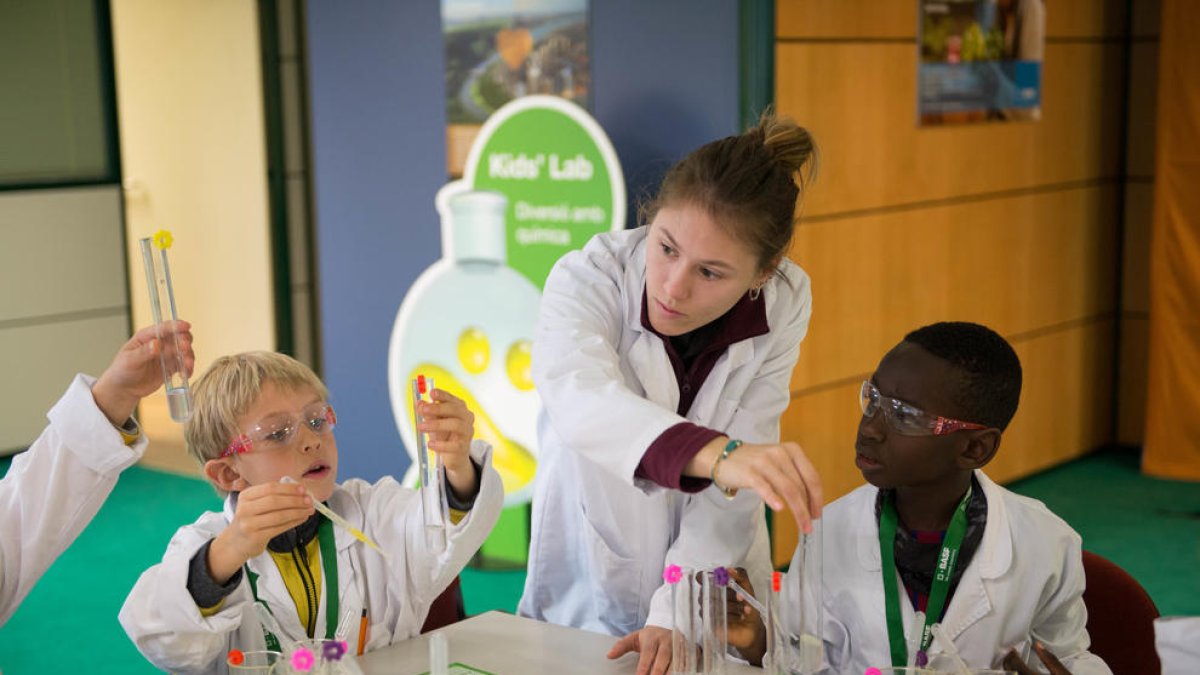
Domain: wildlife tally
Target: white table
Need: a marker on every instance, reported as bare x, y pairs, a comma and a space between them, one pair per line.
510, 645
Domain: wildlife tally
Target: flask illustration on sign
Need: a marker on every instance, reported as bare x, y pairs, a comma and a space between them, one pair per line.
467, 323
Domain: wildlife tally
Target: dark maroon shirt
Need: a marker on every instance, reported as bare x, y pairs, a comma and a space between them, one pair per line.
666, 457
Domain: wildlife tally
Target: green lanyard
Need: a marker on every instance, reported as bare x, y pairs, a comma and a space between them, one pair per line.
941, 576
328, 568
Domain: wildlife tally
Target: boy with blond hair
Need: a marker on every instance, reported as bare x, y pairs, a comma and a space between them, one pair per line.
263, 417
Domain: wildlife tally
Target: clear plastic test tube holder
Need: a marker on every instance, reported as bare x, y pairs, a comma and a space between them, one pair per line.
699, 637
162, 305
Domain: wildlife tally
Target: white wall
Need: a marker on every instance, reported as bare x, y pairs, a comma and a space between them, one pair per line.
189, 98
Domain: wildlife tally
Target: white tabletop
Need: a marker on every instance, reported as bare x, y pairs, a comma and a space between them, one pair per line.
510, 645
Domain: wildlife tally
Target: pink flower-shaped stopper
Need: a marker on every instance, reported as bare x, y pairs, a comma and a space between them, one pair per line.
302, 660
872, 671
672, 574
333, 650
721, 576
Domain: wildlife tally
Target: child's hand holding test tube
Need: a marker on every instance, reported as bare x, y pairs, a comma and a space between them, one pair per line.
135, 373
445, 427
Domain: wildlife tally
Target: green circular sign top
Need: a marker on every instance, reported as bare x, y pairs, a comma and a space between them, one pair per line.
560, 174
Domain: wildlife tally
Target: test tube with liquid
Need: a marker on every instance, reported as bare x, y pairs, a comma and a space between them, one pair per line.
794, 613
162, 304
433, 496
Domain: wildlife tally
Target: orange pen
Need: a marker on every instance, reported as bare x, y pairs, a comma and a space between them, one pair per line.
362, 632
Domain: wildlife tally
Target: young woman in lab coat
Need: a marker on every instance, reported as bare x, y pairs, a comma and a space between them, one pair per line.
663, 357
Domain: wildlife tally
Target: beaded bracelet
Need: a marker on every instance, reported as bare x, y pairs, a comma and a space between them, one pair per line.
732, 445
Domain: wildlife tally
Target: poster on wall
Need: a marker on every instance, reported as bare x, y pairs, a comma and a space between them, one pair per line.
541, 179
500, 50
980, 60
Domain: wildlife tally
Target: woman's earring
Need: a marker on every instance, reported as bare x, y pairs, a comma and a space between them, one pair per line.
755, 292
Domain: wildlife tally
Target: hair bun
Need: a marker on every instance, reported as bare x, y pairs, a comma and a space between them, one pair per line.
791, 145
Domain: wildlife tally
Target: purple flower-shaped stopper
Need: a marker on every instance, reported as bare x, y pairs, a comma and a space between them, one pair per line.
302, 660
721, 576
333, 650
672, 574
922, 659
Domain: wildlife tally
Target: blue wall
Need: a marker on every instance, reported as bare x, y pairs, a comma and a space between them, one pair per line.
664, 80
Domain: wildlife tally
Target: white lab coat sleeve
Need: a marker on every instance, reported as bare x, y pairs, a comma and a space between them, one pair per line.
1061, 620
162, 619
53, 490
577, 369
429, 565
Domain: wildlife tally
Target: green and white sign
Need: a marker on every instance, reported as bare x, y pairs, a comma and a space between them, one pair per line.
560, 174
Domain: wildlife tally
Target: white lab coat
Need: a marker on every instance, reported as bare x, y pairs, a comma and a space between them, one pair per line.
1024, 583
600, 538
166, 625
53, 490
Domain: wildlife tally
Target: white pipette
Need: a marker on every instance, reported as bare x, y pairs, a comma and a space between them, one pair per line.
339, 521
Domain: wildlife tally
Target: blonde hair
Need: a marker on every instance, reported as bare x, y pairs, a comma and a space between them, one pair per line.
229, 388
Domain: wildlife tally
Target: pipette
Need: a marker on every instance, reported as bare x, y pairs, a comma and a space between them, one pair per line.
949, 647
339, 521
162, 298
914, 640
430, 464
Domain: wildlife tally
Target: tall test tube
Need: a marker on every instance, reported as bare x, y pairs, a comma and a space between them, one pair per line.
433, 495
162, 304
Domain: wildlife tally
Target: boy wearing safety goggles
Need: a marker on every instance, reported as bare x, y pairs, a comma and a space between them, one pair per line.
932, 533
263, 430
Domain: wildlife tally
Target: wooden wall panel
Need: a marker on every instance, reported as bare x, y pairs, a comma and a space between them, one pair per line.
1135, 268
1065, 410
1143, 108
1014, 225
873, 19
1131, 379
845, 18
1066, 399
1017, 265
859, 100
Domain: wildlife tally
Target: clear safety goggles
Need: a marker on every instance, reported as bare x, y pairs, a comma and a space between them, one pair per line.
277, 432
905, 418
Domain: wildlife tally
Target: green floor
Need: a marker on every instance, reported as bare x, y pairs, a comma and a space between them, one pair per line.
1150, 527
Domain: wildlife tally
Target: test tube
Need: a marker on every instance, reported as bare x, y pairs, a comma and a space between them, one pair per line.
162, 301
714, 639
794, 645
684, 624
433, 496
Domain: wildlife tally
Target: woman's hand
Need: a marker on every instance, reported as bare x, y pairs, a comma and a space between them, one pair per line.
780, 473
654, 646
